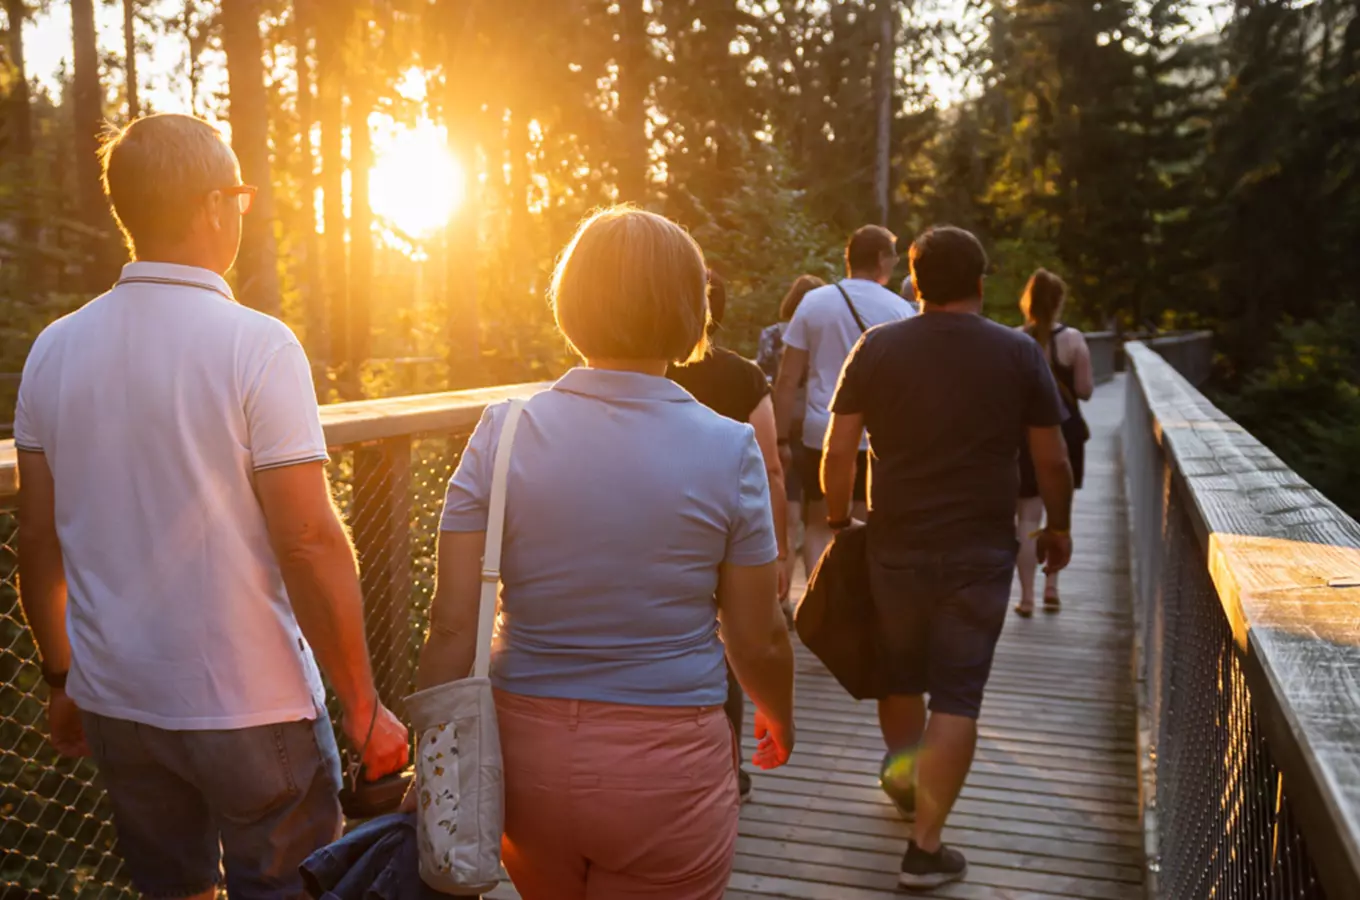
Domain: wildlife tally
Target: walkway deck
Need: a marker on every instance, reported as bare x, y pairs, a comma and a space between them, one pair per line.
1051, 807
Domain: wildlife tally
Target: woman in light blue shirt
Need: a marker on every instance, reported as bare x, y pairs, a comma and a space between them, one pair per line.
629, 508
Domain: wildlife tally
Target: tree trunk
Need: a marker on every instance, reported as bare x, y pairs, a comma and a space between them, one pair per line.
100, 266
313, 296
461, 112
633, 85
130, 62
883, 105
257, 266
195, 41
16, 135
518, 146
330, 38
361, 209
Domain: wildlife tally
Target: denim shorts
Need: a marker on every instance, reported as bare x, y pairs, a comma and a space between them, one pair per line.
940, 615
188, 804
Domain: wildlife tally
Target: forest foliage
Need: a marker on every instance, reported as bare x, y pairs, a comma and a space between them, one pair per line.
1179, 162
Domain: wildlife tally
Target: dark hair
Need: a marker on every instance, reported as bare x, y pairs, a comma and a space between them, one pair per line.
801, 285
867, 245
717, 300
1041, 301
946, 264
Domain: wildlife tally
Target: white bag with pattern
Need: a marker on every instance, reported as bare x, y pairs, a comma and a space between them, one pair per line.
460, 812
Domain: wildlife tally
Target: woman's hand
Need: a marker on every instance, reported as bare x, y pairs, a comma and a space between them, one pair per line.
774, 742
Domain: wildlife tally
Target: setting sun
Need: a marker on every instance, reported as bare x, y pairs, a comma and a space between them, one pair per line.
416, 184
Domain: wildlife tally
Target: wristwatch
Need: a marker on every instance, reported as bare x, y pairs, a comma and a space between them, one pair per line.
55, 680
839, 524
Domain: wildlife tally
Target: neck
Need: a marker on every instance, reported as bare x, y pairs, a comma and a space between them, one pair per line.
641, 366
179, 256
965, 307
876, 277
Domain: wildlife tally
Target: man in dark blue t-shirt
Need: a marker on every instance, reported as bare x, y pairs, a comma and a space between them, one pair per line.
947, 398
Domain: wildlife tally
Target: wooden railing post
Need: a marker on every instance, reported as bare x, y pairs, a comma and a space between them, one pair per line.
381, 526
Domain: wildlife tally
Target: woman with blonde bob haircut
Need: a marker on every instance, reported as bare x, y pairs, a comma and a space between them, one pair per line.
630, 507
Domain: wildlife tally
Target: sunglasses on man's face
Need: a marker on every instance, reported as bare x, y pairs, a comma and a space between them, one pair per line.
244, 194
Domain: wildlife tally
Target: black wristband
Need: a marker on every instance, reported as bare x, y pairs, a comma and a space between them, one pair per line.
839, 524
55, 680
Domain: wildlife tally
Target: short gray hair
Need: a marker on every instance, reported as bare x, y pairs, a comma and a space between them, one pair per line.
157, 171
632, 285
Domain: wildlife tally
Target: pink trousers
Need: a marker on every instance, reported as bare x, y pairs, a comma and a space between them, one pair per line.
607, 802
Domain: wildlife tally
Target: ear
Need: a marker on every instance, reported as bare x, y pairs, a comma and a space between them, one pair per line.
212, 210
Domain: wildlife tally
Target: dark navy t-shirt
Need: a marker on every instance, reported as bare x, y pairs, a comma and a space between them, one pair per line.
946, 399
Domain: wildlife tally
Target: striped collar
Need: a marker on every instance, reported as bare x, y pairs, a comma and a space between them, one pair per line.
172, 275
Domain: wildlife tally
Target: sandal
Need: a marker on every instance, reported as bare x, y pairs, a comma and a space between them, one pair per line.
1052, 603
1024, 613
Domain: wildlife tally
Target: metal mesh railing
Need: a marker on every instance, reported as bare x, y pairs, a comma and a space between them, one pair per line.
56, 836
1223, 823
1227, 827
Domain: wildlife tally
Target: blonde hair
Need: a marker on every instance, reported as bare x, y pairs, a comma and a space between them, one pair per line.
801, 285
157, 171
632, 285
1041, 303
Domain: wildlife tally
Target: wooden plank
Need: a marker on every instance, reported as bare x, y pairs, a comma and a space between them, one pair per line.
451, 411
837, 828
885, 855
9, 470
979, 877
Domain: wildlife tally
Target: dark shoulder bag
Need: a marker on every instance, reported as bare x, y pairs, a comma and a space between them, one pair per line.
854, 312
836, 618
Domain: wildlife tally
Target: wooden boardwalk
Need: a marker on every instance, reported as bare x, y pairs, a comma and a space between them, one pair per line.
1050, 809
1051, 806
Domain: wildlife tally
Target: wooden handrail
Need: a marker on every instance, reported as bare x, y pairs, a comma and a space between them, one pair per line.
1283, 560
366, 421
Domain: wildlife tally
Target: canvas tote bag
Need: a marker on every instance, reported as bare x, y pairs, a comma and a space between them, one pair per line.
460, 811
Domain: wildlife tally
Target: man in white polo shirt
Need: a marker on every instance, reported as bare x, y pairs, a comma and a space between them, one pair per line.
824, 329
178, 548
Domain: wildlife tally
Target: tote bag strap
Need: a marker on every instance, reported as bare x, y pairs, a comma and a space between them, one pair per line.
495, 532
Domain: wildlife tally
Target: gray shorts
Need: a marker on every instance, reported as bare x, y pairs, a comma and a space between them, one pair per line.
940, 615
187, 804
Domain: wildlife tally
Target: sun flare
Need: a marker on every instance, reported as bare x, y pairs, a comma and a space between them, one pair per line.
415, 184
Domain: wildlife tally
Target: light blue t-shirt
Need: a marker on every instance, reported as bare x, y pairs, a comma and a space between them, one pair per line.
624, 496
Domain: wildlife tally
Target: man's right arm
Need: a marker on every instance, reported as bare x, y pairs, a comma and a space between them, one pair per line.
1053, 472
321, 574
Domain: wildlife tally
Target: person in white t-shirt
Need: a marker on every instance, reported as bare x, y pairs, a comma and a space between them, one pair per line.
826, 326
179, 550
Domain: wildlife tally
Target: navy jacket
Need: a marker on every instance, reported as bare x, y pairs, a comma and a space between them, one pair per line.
379, 860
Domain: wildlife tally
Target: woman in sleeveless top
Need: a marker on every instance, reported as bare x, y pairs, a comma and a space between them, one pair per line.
1070, 360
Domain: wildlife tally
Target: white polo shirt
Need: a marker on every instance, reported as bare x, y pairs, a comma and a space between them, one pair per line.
824, 326
155, 404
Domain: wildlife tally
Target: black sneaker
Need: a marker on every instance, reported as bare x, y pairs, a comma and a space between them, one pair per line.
891, 775
922, 871
744, 789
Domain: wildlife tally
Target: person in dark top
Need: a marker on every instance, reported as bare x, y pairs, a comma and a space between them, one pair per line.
735, 387
948, 398
1067, 354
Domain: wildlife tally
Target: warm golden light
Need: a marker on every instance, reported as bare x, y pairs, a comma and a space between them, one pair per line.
416, 184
